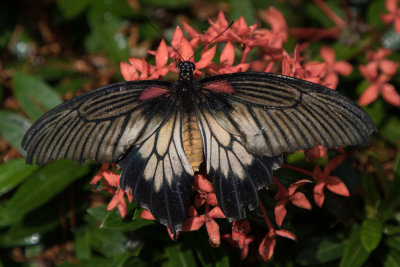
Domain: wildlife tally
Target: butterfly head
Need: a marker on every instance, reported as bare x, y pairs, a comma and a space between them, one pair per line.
185, 70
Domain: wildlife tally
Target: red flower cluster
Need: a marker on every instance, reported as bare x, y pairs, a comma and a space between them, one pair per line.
378, 72
393, 16
275, 58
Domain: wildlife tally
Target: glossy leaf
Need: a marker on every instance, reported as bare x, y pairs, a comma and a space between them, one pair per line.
114, 221
371, 234
43, 185
354, 254
12, 128
392, 259
12, 173
72, 8
34, 95
179, 256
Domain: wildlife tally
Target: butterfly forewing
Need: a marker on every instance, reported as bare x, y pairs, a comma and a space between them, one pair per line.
100, 125
275, 114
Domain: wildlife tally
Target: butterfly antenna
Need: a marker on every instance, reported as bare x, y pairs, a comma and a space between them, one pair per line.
159, 32
221, 33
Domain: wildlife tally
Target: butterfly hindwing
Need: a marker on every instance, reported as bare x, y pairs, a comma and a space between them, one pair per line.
275, 114
99, 125
236, 174
158, 174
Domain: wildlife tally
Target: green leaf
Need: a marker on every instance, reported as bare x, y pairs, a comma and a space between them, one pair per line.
371, 195
393, 242
179, 256
34, 95
242, 8
43, 185
114, 221
391, 129
13, 128
98, 212
371, 234
108, 242
207, 255
72, 8
107, 37
329, 250
354, 254
394, 196
171, 4
12, 173
392, 259
82, 244
381, 174
373, 11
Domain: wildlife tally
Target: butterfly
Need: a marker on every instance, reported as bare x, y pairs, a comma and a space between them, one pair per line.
234, 127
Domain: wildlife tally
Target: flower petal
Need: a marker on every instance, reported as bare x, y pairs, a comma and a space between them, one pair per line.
213, 233
128, 72
266, 248
344, 68
280, 211
216, 213
391, 5
146, 214
116, 199
328, 54
206, 58
193, 223
202, 183
337, 186
162, 55
331, 80
390, 94
285, 233
319, 196
369, 95
300, 200
228, 54
388, 67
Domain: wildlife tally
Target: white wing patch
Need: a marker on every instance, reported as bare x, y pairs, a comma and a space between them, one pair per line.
159, 175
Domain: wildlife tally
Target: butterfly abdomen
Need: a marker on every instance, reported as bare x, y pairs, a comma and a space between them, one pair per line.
192, 142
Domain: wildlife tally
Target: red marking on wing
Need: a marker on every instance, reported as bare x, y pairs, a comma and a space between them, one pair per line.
220, 87
152, 92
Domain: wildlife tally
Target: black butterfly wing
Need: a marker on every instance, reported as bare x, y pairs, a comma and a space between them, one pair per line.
274, 114
237, 175
100, 125
158, 173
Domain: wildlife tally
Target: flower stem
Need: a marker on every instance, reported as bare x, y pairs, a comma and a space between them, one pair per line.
328, 11
297, 169
266, 219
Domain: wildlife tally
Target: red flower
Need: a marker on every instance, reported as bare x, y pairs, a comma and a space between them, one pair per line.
311, 71
267, 245
378, 72
316, 152
333, 68
195, 221
284, 196
239, 237
112, 186
226, 62
393, 16
324, 179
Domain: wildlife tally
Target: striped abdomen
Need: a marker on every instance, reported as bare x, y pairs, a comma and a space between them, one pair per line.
192, 142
